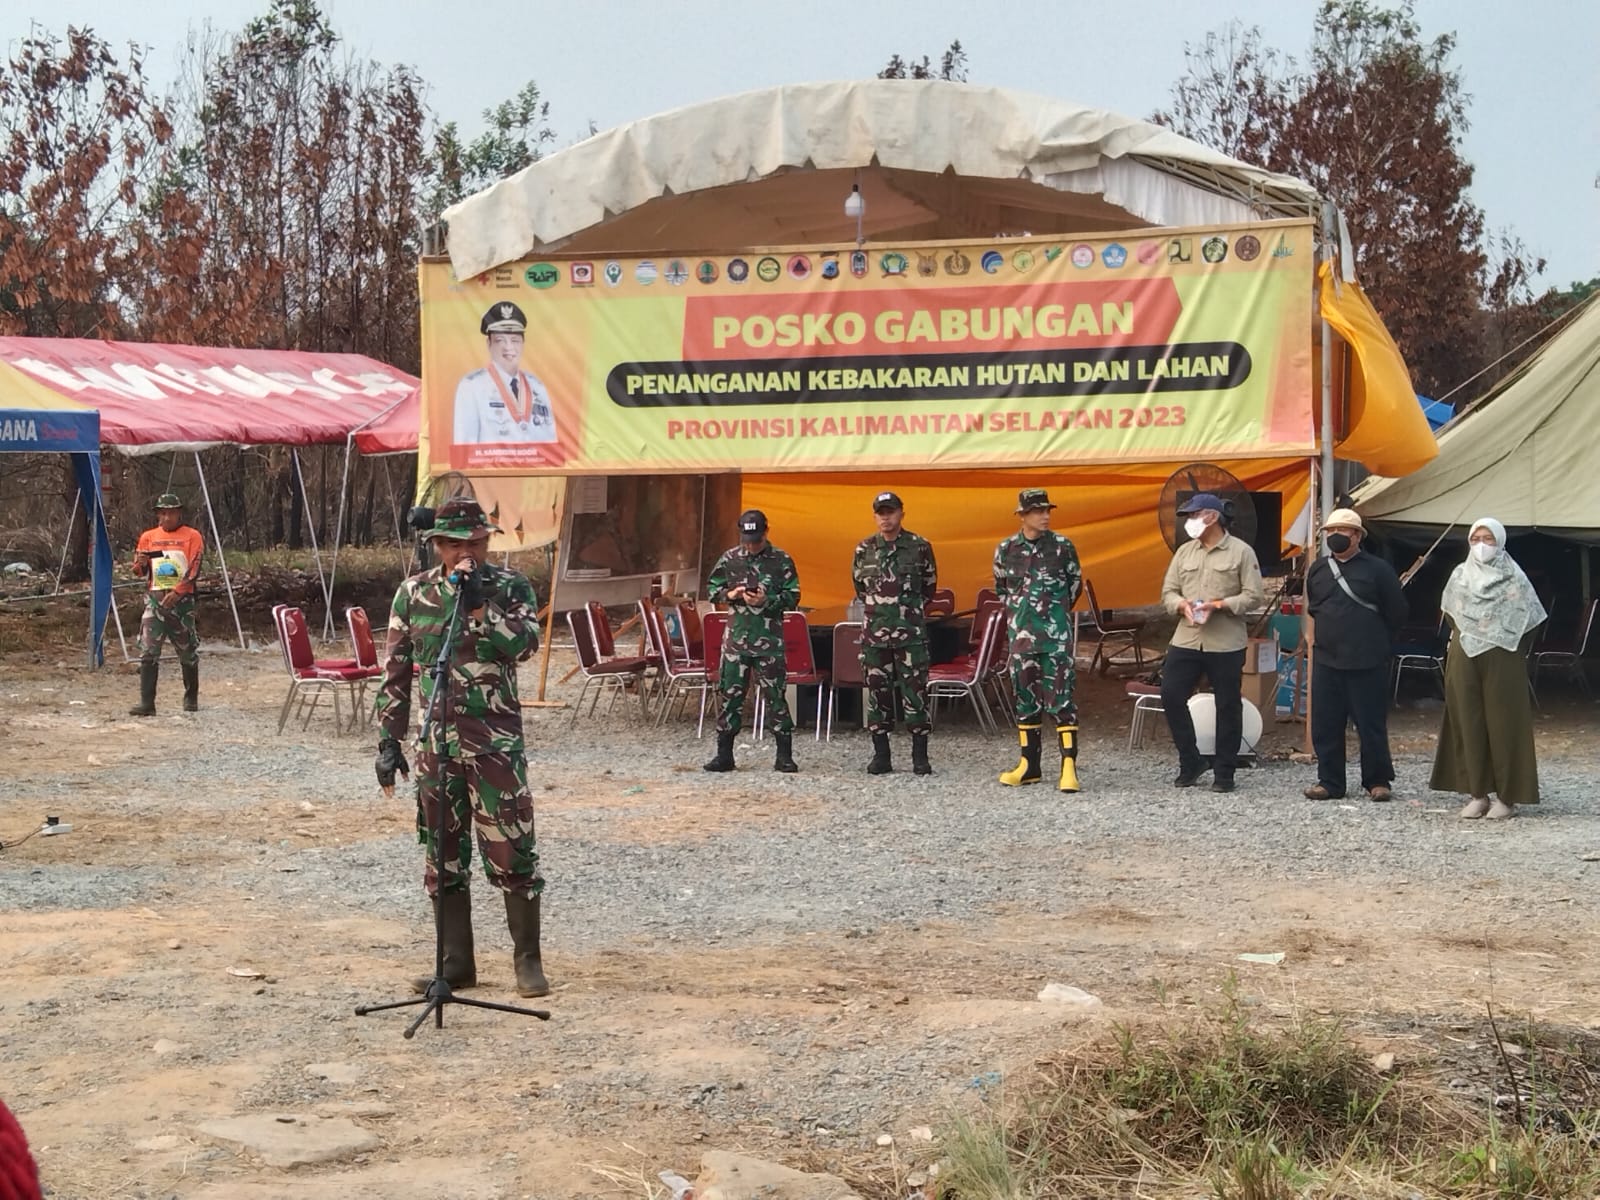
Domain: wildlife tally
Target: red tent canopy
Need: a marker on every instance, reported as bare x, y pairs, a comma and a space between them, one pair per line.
155, 398
395, 432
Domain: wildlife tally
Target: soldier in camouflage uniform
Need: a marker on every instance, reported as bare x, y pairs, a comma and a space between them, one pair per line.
168, 558
894, 575
473, 762
1037, 577
759, 584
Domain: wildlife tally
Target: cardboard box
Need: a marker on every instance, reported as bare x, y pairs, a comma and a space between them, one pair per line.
1262, 691
1261, 656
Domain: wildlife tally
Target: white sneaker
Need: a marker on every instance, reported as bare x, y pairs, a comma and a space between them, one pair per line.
1501, 811
1473, 809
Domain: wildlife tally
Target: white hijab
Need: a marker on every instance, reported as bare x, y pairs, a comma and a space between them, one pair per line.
1492, 603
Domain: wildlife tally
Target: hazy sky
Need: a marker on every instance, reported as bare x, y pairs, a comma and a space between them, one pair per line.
1529, 66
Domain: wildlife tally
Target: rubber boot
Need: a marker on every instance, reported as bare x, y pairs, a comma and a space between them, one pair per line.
191, 686
522, 918
784, 761
1027, 768
453, 911
149, 672
919, 755
880, 764
724, 759
1069, 758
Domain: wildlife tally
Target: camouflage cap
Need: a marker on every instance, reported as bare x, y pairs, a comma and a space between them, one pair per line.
168, 500
1031, 498
461, 520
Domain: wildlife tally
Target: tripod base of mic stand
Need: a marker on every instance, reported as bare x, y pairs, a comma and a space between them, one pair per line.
436, 997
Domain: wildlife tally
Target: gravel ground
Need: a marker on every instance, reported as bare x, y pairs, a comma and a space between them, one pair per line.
653, 864
834, 849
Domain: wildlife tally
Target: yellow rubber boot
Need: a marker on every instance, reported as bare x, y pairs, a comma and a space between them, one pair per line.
1027, 768
1069, 758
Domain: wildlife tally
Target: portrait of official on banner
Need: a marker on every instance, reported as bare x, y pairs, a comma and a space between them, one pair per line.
1144, 346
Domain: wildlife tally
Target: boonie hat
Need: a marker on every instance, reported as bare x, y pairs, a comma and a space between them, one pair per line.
1344, 518
752, 524
886, 500
168, 500
1031, 498
461, 521
1200, 502
504, 317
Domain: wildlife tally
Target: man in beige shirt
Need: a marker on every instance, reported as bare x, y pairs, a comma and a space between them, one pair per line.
1212, 582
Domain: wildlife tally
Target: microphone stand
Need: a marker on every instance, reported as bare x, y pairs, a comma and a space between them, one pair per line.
439, 994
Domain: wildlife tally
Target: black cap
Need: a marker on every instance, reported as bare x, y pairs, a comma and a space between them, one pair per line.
752, 525
1200, 502
503, 317
886, 500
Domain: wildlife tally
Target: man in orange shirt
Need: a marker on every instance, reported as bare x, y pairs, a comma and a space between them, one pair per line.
168, 557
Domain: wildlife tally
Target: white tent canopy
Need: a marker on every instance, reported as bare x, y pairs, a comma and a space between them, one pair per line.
934, 160
1525, 455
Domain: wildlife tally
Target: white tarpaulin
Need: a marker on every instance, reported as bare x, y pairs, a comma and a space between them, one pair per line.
934, 159
1525, 456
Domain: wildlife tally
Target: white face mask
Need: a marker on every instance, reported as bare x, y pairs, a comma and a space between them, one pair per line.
1485, 551
1194, 527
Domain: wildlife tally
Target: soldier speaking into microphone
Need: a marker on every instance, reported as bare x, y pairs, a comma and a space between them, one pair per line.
474, 762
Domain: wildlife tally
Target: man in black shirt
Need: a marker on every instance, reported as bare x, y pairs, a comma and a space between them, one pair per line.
1356, 602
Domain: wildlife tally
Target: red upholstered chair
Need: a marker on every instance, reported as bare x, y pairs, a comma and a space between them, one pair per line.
366, 649
968, 678
691, 631
678, 675
713, 630
603, 671
1115, 634
941, 604
800, 667
846, 665
310, 676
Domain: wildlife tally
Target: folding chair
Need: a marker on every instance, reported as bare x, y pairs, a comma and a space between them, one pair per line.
967, 678
1146, 699
1426, 656
713, 629
941, 604
366, 651
678, 674
846, 665
800, 668
309, 676
1114, 634
1566, 655
691, 632
601, 672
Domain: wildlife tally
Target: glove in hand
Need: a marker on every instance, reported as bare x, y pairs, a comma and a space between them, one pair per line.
390, 759
472, 592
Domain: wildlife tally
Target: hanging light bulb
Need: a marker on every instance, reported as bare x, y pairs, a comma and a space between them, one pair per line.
855, 207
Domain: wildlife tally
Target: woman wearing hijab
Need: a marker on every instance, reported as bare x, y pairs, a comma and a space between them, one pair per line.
1486, 744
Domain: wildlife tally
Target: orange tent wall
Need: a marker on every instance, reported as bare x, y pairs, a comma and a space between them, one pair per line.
1108, 512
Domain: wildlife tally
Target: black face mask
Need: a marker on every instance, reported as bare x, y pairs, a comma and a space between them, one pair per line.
1338, 542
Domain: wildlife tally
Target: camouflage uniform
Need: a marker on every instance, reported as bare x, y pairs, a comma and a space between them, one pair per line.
175, 625
169, 561
1038, 582
754, 641
894, 580
478, 724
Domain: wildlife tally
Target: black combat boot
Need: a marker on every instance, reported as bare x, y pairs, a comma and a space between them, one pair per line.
724, 759
784, 760
880, 764
191, 686
149, 672
919, 755
453, 912
522, 918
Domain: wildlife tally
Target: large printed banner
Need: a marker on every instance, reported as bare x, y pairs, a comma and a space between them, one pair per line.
1144, 346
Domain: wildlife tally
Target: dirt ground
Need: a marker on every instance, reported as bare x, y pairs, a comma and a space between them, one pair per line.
129, 1027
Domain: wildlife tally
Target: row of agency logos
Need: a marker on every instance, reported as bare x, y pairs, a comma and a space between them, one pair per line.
892, 264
